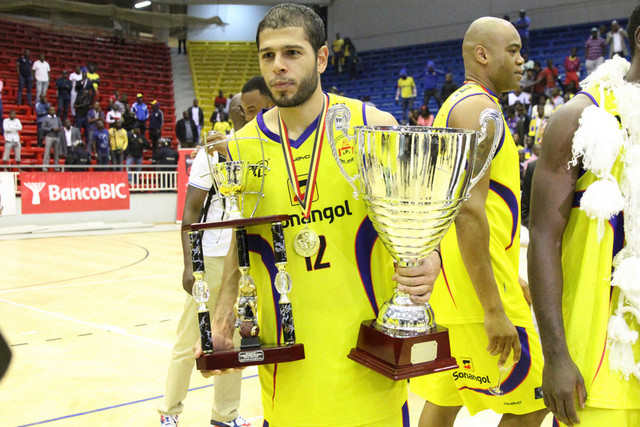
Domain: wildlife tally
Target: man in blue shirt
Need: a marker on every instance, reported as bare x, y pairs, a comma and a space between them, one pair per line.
25, 76
156, 120
42, 109
431, 84
64, 86
522, 25
101, 142
141, 112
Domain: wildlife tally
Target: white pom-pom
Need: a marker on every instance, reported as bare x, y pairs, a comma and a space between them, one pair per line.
621, 339
612, 70
602, 199
598, 140
625, 277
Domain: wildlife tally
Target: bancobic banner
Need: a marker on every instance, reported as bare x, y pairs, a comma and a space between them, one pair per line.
73, 191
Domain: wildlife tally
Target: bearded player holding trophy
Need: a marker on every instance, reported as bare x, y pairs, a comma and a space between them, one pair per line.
342, 273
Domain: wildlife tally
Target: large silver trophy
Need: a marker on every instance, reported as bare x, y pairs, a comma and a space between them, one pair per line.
413, 181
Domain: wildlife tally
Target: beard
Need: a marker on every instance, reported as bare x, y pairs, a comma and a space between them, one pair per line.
307, 86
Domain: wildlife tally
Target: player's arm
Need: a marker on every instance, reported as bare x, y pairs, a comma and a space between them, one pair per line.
551, 203
193, 203
472, 229
416, 281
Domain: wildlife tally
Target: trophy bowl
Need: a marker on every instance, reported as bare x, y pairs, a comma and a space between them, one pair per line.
413, 181
231, 178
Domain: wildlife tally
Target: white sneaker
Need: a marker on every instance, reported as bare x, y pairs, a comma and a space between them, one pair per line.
238, 422
168, 420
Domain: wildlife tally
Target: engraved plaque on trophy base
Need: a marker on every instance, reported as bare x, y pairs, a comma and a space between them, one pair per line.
400, 358
240, 358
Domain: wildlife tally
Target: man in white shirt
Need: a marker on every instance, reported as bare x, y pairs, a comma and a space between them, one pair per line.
1, 113
75, 77
11, 126
519, 95
41, 70
196, 114
616, 40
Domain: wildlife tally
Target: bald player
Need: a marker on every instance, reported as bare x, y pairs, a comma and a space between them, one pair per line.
215, 246
478, 296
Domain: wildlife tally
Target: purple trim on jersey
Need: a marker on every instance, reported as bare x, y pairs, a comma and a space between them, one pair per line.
446, 281
462, 99
259, 245
511, 200
616, 222
265, 423
519, 373
365, 239
364, 114
405, 415
590, 96
555, 422
295, 143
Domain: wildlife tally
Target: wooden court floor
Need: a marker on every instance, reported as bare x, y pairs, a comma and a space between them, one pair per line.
91, 321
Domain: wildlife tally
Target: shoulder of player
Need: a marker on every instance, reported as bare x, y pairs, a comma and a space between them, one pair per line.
465, 113
377, 117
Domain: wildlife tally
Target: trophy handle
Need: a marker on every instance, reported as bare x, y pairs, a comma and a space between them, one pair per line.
486, 116
339, 115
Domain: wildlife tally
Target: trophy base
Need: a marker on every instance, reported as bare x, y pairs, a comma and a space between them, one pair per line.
406, 357
240, 358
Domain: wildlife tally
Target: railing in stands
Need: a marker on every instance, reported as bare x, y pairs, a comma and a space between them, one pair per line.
147, 179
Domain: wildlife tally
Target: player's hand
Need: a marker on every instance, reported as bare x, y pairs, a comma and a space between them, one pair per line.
562, 383
220, 342
502, 336
525, 290
187, 279
216, 141
418, 281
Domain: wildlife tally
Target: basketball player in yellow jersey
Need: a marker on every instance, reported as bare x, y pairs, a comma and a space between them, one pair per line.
478, 296
576, 283
348, 278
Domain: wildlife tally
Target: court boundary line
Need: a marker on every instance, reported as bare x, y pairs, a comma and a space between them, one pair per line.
118, 405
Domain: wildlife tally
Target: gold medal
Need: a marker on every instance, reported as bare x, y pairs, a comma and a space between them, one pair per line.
306, 242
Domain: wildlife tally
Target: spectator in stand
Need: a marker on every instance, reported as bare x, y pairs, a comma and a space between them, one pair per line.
229, 98
135, 149
407, 91
617, 40
602, 31
156, 121
42, 109
425, 118
216, 116
12, 128
522, 25
196, 114
414, 114
83, 102
51, 128
141, 111
79, 156
101, 142
112, 115
448, 87
519, 95
115, 97
41, 71
128, 118
572, 71
549, 77
182, 39
535, 126
512, 123
220, 100
556, 98
431, 75
118, 142
84, 86
350, 58
528, 80
594, 49
523, 123
165, 155
25, 76
92, 74
119, 104
64, 86
187, 131
1, 112
74, 78
223, 125
528, 62
94, 114
67, 138
337, 46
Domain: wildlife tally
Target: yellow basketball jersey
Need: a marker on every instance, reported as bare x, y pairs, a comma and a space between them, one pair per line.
454, 299
333, 292
588, 299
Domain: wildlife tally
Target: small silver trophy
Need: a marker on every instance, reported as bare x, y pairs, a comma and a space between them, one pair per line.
231, 179
413, 181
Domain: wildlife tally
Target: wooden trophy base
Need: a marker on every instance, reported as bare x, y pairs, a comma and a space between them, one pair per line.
240, 358
401, 358
235, 223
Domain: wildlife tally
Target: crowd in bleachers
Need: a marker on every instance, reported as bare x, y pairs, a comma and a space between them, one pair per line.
82, 117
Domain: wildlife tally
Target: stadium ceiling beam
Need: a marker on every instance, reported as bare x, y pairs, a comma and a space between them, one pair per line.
253, 2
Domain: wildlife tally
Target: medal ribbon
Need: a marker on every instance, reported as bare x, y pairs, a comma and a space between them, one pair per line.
305, 199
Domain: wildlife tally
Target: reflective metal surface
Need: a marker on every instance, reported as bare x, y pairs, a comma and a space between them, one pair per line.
231, 178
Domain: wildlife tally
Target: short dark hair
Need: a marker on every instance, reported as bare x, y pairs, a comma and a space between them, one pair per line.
257, 83
288, 15
634, 21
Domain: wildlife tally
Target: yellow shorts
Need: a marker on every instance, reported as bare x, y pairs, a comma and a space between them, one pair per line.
597, 417
478, 372
399, 419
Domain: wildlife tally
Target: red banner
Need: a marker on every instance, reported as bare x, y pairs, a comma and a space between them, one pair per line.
73, 191
184, 168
